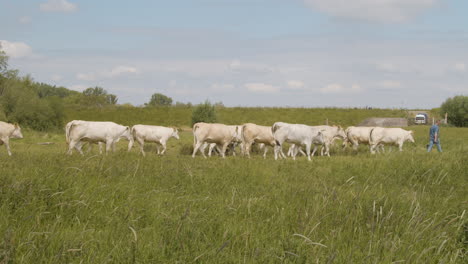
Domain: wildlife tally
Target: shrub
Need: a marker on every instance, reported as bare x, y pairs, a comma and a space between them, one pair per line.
158, 99
205, 112
457, 109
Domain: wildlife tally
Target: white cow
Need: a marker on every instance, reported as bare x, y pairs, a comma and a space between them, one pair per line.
94, 132
67, 128
389, 136
359, 135
232, 145
220, 134
158, 134
297, 134
330, 133
8, 131
252, 133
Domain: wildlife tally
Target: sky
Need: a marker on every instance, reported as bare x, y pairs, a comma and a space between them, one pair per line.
304, 53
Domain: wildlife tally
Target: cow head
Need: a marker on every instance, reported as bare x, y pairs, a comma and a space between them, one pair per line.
16, 132
409, 136
341, 133
175, 133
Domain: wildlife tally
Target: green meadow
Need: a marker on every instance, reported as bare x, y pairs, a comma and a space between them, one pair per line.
352, 207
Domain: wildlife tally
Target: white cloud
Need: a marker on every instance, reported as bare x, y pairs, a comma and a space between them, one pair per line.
460, 67
294, 84
386, 11
108, 74
261, 88
25, 20
58, 6
16, 49
338, 88
119, 70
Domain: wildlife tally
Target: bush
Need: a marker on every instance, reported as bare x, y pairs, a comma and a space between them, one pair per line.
158, 99
205, 112
457, 109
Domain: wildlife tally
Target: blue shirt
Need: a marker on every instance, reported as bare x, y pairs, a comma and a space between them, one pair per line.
434, 130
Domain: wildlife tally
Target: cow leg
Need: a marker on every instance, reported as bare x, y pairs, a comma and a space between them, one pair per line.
291, 150
308, 151
264, 153
276, 150
100, 147
233, 149
141, 143
78, 145
247, 147
195, 149
71, 145
313, 151
203, 147
327, 149
223, 150
210, 149
400, 146
163, 143
282, 153
158, 151
7, 145
109, 143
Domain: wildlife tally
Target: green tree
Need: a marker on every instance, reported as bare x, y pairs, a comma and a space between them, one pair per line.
205, 112
158, 99
111, 99
96, 96
457, 109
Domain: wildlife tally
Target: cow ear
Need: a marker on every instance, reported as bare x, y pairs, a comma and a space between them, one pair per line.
411, 132
16, 125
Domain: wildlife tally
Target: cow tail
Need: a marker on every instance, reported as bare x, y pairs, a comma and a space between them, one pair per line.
195, 127
274, 128
370, 136
243, 134
67, 133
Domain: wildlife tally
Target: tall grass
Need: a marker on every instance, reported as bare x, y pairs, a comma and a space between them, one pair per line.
396, 207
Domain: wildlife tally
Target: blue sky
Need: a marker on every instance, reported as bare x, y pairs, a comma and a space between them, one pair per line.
312, 53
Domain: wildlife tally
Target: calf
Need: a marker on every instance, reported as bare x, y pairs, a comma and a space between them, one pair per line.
158, 134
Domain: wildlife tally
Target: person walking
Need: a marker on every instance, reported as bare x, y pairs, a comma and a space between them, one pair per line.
434, 137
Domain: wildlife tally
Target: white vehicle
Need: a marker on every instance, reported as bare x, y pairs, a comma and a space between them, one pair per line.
421, 118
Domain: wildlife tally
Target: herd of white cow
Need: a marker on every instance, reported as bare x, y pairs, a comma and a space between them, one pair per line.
221, 137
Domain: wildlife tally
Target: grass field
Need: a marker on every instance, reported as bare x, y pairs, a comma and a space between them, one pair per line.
181, 117
396, 207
